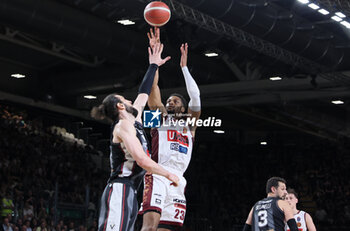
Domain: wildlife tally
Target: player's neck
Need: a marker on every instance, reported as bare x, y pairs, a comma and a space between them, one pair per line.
124, 115
295, 211
271, 195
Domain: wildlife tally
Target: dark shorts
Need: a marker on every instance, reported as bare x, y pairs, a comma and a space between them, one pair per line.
119, 207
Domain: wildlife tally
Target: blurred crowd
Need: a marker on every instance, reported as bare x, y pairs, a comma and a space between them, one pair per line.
224, 179
32, 162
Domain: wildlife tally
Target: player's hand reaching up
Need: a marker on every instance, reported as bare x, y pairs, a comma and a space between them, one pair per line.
184, 52
153, 36
155, 54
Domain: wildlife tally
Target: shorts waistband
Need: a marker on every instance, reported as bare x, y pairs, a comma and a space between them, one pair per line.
123, 181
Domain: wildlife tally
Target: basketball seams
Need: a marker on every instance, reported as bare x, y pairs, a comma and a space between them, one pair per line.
157, 8
153, 18
154, 24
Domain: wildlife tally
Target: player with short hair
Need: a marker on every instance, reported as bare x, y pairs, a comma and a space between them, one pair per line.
164, 206
303, 219
128, 148
272, 212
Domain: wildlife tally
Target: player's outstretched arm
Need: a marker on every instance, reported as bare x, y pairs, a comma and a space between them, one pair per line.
155, 61
288, 215
155, 99
309, 223
194, 106
126, 133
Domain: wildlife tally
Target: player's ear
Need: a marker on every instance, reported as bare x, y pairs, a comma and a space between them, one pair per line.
120, 106
296, 200
183, 109
273, 189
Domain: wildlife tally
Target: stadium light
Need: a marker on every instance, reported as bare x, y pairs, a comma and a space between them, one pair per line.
211, 54
303, 1
126, 22
275, 78
323, 11
336, 18
346, 24
263, 143
337, 102
340, 14
90, 97
18, 76
313, 6
219, 131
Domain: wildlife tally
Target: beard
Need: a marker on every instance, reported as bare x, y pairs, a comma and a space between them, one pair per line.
174, 110
132, 110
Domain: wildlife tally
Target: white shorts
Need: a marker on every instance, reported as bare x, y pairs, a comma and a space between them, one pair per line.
161, 196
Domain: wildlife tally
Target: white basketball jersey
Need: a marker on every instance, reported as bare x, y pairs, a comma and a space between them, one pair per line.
300, 220
172, 145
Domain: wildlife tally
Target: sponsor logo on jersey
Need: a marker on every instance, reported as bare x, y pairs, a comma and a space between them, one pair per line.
180, 206
177, 147
179, 201
175, 136
158, 201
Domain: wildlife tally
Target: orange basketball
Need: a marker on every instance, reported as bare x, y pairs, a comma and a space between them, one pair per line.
157, 13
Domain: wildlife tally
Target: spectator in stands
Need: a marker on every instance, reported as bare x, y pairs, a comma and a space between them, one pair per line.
28, 211
71, 226
7, 205
27, 224
42, 227
6, 225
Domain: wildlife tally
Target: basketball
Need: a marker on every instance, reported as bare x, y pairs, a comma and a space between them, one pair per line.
157, 13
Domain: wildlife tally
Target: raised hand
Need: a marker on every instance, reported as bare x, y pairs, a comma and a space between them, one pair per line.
153, 37
184, 52
155, 54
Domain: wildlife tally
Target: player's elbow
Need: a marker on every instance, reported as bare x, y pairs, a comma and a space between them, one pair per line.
142, 162
150, 103
195, 93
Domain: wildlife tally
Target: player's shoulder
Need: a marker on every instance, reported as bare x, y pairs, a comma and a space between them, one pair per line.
282, 203
306, 214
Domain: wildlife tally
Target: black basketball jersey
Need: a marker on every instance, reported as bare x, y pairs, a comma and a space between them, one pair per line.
267, 215
122, 163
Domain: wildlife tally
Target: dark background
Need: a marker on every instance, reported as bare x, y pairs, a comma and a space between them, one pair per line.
68, 49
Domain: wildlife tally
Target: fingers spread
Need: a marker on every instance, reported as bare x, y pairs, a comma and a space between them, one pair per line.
167, 58
161, 48
157, 32
156, 48
151, 32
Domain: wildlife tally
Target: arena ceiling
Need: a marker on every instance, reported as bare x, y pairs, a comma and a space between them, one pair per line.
71, 48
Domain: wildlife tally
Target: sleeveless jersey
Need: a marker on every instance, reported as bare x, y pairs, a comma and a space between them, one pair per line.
267, 215
300, 220
172, 145
123, 166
